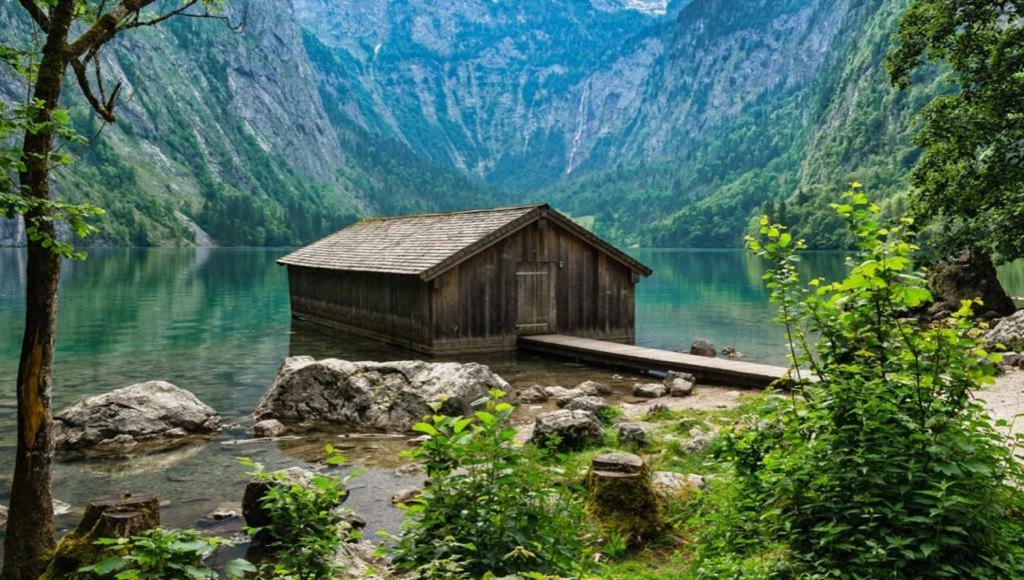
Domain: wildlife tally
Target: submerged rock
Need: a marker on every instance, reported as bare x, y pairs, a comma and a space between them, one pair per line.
532, 394
701, 347
405, 495
269, 428
374, 396
151, 413
594, 388
574, 429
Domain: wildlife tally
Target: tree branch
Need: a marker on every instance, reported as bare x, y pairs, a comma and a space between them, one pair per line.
38, 14
104, 110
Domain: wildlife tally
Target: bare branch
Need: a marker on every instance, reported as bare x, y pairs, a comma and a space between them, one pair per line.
38, 14
104, 110
106, 27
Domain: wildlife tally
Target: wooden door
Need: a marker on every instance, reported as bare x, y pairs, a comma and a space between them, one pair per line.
535, 298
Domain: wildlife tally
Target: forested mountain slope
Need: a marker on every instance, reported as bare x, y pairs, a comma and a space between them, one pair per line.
660, 122
228, 130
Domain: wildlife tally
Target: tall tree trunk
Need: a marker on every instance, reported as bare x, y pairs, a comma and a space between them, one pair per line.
31, 537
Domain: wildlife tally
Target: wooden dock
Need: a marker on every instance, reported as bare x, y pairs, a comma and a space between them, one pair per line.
709, 370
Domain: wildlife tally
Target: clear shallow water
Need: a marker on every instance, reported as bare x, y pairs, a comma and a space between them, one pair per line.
217, 322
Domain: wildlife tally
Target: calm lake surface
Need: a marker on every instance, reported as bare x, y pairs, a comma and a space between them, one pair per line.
217, 322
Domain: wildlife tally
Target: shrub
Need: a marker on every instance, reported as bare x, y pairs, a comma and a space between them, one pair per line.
306, 524
161, 553
491, 506
885, 465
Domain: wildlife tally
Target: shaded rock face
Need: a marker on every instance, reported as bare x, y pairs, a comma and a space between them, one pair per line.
966, 277
574, 429
1008, 332
151, 413
373, 396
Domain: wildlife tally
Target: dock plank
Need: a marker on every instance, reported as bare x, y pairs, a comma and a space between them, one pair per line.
706, 369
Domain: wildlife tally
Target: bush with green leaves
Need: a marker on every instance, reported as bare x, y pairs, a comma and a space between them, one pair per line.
306, 523
162, 553
879, 461
492, 507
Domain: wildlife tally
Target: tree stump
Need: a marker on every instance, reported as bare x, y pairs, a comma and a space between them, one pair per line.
114, 516
621, 496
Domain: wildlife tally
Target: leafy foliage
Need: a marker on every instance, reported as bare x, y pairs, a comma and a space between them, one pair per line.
162, 553
883, 464
491, 506
28, 117
971, 172
306, 522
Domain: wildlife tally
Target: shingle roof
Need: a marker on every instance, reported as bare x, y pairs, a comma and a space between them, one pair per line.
426, 245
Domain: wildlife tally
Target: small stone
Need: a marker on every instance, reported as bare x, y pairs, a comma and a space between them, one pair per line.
730, 352
269, 428
226, 511
631, 434
617, 377
658, 410
574, 429
405, 495
409, 470
649, 390
668, 483
680, 384
591, 388
1013, 359
595, 405
699, 440
532, 394
701, 347
60, 508
355, 520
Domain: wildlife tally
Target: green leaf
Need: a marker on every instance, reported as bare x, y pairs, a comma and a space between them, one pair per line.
424, 428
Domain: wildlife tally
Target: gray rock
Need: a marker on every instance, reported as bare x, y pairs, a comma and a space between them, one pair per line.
151, 413
595, 405
1008, 332
699, 440
532, 394
405, 495
563, 395
226, 511
731, 352
649, 390
656, 410
1013, 359
679, 384
373, 396
269, 428
575, 429
668, 484
631, 434
701, 347
592, 388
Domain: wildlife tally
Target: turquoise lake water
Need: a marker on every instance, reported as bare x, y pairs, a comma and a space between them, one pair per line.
217, 322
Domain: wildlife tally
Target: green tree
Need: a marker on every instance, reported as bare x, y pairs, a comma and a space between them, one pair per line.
971, 172
71, 35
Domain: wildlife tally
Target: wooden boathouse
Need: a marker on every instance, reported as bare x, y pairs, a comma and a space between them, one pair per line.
467, 282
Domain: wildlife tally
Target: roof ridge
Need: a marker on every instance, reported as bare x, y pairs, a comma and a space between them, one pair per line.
456, 212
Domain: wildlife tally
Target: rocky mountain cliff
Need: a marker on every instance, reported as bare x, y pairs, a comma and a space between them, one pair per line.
664, 122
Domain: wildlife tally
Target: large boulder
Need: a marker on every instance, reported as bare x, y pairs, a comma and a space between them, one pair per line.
968, 276
595, 405
151, 414
371, 396
573, 429
1008, 332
